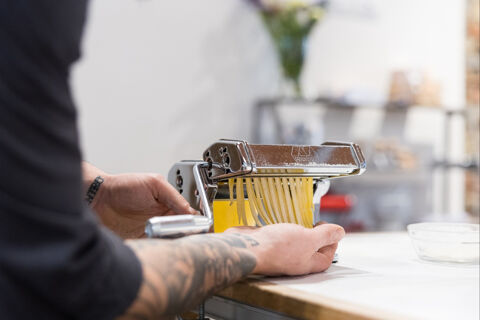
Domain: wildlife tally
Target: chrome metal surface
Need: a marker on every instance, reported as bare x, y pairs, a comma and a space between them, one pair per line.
206, 191
177, 226
190, 179
322, 189
181, 178
230, 158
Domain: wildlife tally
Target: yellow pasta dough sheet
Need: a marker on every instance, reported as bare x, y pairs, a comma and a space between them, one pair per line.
272, 200
225, 215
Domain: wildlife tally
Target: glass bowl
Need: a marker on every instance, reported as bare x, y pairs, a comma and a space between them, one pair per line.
446, 242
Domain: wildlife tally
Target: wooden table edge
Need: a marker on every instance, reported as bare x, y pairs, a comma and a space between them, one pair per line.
299, 304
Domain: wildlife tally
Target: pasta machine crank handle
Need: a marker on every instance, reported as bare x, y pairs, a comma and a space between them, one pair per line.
186, 224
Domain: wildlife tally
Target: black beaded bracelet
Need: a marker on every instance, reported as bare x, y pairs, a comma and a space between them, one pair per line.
93, 189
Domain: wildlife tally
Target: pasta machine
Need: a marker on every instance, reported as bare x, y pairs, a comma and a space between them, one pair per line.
203, 182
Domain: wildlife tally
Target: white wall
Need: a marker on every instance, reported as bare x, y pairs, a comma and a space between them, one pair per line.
361, 42
161, 80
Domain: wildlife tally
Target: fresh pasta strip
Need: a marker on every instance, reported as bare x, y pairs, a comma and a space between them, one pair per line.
288, 200
303, 205
251, 200
308, 207
298, 192
310, 193
281, 200
296, 205
231, 184
258, 197
241, 203
264, 189
274, 200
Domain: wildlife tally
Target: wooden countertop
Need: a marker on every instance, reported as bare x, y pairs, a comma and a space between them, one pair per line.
378, 276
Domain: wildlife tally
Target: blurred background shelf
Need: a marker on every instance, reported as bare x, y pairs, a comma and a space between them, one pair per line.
385, 177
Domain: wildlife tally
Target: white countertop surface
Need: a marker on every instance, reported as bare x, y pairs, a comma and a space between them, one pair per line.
382, 271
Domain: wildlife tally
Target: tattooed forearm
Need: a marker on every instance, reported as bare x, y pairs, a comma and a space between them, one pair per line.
179, 274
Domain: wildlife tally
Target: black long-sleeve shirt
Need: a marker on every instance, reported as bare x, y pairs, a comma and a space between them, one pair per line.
56, 262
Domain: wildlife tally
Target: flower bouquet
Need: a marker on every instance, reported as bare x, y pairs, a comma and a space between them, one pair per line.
289, 23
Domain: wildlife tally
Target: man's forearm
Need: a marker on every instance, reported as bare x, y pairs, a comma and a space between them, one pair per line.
180, 274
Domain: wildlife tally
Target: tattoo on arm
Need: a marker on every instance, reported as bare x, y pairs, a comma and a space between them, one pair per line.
179, 274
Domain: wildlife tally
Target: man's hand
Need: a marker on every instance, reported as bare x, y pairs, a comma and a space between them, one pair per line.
125, 202
179, 274
289, 249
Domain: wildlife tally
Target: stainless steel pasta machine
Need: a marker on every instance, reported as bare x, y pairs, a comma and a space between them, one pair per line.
202, 182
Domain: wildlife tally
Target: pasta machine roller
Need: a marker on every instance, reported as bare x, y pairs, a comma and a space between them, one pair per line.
203, 182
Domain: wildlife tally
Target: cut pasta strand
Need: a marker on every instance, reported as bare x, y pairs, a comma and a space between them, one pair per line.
258, 199
241, 203
267, 199
273, 200
252, 202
